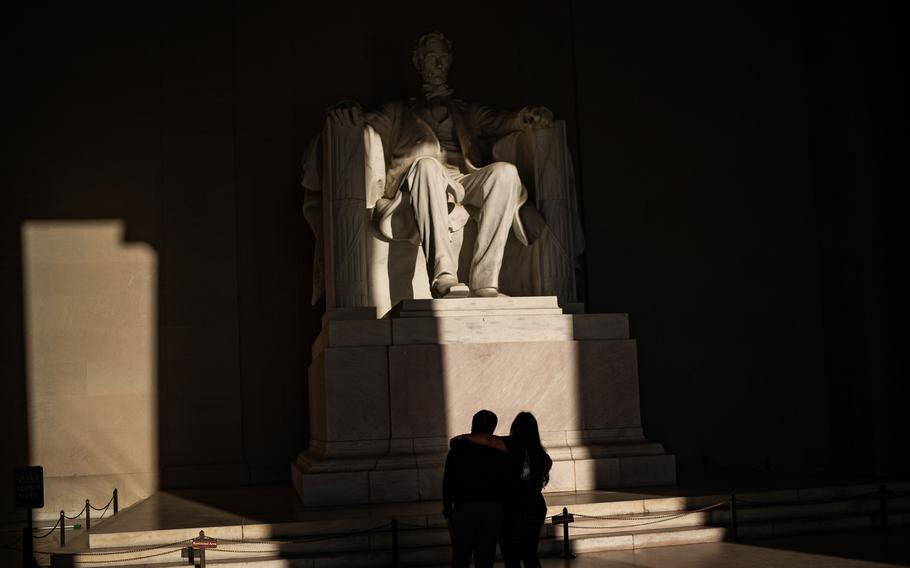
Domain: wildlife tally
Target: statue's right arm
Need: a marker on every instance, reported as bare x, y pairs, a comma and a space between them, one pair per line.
346, 113
383, 121
350, 113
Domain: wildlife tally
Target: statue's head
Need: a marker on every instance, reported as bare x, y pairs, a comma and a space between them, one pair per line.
432, 56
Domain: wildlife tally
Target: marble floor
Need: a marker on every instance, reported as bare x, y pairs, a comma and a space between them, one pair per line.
871, 548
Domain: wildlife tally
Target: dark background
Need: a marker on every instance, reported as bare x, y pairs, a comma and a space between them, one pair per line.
742, 173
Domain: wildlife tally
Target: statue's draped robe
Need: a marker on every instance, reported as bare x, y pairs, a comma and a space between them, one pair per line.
406, 137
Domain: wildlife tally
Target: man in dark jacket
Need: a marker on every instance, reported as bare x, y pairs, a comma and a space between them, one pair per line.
473, 486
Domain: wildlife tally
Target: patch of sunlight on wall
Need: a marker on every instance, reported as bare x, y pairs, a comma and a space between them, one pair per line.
511, 377
90, 328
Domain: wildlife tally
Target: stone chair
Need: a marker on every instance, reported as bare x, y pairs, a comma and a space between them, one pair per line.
364, 269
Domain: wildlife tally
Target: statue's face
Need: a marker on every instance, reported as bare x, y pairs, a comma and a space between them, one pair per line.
434, 67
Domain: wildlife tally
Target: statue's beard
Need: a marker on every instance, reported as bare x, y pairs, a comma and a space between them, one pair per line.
431, 90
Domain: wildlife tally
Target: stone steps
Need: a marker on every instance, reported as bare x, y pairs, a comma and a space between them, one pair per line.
424, 540
437, 554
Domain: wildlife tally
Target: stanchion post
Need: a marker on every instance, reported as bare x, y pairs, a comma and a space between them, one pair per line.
28, 557
62, 528
202, 551
883, 506
88, 515
116, 501
734, 527
566, 552
396, 559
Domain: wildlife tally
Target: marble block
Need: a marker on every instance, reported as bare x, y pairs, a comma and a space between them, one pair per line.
481, 329
349, 396
352, 333
452, 307
435, 389
387, 395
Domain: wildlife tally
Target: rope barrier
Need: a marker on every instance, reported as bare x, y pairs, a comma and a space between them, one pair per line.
129, 559
663, 518
179, 544
76, 516
314, 538
92, 507
48, 533
668, 516
629, 517
11, 544
105, 507
104, 510
87, 557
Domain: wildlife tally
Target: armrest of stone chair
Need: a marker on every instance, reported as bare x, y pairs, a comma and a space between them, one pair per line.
352, 181
551, 215
363, 269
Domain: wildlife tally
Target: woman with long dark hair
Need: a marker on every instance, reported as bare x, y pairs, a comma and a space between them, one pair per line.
525, 508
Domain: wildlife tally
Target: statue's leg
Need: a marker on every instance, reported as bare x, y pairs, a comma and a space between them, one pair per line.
492, 193
427, 183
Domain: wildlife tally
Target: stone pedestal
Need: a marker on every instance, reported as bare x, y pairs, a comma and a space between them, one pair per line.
387, 394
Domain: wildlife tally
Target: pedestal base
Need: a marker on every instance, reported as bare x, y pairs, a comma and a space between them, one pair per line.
386, 395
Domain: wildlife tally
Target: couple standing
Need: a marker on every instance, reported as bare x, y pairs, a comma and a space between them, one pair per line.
491, 490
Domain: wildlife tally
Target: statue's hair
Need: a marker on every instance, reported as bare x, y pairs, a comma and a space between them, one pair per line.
424, 41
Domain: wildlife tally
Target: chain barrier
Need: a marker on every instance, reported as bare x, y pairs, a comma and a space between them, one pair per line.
629, 517
103, 511
110, 501
76, 516
180, 545
653, 520
132, 549
129, 559
307, 540
733, 501
48, 533
10, 545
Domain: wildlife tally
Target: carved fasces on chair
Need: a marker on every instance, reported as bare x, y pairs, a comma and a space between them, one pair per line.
556, 255
351, 185
542, 159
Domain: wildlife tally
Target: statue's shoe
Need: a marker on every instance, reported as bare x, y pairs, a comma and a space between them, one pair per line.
485, 293
447, 286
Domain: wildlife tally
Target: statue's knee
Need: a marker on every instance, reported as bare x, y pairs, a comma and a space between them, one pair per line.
506, 172
427, 166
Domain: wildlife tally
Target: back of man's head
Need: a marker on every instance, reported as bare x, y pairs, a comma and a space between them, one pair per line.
484, 422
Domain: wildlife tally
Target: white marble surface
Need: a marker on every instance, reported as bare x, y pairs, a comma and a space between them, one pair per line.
436, 389
481, 329
386, 395
349, 397
352, 333
454, 305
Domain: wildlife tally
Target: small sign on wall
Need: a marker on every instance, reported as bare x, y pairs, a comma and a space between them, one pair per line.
30, 487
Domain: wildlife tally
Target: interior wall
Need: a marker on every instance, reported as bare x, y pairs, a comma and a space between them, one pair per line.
692, 135
857, 71
694, 132
90, 325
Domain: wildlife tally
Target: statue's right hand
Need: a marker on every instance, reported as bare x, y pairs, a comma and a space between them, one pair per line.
347, 113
